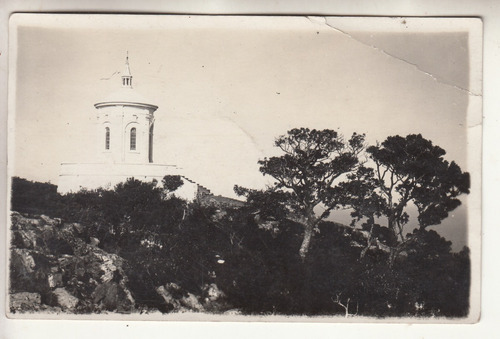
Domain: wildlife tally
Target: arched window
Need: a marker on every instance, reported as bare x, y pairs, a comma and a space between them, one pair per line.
107, 138
132, 139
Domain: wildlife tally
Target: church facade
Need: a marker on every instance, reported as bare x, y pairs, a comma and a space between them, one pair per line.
124, 123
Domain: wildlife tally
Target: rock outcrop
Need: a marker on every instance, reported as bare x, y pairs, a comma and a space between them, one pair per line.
178, 300
57, 267
53, 269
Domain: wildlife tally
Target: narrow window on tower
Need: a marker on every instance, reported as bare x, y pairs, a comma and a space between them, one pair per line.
132, 139
106, 143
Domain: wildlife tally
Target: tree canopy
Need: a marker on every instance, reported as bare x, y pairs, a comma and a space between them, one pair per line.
412, 169
305, 174
321, 168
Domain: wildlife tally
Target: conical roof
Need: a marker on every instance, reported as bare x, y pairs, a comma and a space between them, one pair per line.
126, 71
126, 94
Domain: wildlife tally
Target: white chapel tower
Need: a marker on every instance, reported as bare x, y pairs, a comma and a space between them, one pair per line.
125, 122
124, 133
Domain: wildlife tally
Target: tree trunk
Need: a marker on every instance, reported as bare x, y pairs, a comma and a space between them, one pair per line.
308, 221
304, 248
391, 218
368, 243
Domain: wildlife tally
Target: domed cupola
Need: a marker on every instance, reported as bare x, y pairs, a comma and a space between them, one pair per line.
125, 122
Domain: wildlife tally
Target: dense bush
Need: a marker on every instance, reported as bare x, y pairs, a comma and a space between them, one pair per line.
255, 264
34, 197
267, 276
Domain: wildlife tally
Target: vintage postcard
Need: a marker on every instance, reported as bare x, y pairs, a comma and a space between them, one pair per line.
244, 168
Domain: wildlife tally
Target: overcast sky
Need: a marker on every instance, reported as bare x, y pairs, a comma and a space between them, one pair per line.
227, 86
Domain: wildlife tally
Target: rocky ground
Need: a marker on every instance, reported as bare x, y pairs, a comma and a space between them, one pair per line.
53, 268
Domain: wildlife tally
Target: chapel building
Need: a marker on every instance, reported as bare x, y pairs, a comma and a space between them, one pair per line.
124, 127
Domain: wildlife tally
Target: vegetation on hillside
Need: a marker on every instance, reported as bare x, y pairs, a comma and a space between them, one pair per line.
275, 255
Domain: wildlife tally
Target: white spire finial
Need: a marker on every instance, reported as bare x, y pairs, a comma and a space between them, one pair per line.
126, 75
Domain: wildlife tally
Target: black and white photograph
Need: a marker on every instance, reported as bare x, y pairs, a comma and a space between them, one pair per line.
244, 168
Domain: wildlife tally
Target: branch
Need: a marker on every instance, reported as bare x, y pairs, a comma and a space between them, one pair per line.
346, 306
380, 178
400, 229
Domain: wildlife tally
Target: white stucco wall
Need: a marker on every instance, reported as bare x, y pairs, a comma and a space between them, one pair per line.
76, 176
120, 118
